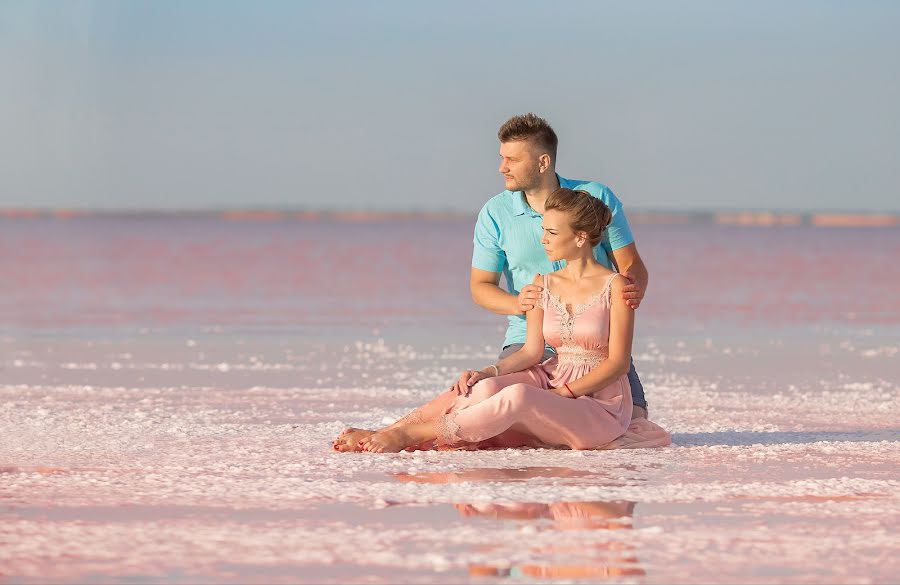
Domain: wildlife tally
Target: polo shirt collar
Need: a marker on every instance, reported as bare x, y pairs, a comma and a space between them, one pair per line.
521, 207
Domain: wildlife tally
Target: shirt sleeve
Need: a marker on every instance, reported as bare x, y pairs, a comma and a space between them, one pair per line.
487, 253
618, 234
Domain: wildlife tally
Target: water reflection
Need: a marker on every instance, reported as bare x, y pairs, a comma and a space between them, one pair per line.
514, 474
569, 557
495, 474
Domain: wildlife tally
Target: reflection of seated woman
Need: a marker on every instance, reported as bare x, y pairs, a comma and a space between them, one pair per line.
611, 557
566, 515
579, 398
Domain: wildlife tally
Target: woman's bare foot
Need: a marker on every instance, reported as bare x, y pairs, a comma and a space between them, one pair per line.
388, 441
349, 439
347, 430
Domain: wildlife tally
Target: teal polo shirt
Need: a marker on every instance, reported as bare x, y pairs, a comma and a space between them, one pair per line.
508, 240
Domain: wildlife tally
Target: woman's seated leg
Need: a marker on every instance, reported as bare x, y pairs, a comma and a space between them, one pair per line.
547, 417
410, 427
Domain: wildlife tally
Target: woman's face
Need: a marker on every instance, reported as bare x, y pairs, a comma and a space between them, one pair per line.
559, 241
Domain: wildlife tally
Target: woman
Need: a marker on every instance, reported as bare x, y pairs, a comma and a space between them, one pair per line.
579, 398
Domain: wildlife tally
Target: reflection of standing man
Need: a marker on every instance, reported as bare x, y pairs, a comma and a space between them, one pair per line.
508, 235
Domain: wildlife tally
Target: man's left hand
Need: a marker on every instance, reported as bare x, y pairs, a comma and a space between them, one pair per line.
633, 292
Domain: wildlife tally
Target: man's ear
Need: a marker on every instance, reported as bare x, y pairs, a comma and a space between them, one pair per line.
544, 163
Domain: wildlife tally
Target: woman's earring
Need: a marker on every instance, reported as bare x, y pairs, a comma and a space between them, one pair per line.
579, 243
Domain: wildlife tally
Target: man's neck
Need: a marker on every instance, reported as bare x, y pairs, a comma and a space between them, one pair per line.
538, 196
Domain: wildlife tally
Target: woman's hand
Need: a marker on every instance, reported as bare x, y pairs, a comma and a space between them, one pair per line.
558, 391
561, 391
466, 380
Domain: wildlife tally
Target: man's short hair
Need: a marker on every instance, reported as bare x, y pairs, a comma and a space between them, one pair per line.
530, 127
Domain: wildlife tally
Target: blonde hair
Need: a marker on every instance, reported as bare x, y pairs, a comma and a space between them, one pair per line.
588, 213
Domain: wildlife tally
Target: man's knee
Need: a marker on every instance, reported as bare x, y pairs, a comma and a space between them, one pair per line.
509, 350
637, 388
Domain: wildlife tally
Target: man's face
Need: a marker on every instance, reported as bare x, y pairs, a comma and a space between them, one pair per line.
519, 165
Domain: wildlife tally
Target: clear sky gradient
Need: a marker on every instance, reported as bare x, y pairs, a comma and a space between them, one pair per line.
395, 105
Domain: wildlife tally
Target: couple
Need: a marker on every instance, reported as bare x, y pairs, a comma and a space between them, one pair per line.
565, 376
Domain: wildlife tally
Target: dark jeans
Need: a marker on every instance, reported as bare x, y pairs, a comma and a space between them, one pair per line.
637, 389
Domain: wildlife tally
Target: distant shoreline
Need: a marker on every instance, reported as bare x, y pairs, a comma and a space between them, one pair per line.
635, 216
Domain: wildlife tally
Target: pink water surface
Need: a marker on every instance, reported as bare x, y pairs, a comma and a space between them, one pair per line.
169, 388
204, 270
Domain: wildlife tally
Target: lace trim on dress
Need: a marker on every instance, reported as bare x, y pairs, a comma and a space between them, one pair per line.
413, 418
447, 429
578, 355
579, 308
567, 323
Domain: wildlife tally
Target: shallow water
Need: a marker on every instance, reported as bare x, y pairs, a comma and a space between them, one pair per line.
170, 388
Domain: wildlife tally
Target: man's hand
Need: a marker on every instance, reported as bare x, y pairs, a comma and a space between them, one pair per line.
630, 265
633, 293
529, 297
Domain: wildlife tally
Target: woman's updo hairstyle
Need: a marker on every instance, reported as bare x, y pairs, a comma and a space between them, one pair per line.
588, 213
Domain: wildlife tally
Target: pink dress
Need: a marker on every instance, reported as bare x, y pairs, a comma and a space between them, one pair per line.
516, 410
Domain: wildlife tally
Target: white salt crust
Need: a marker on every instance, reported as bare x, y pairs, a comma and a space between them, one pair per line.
233, 478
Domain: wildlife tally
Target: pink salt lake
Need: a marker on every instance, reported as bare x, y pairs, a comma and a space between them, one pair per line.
169, 388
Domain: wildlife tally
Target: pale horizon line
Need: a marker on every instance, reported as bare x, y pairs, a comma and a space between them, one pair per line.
639, 216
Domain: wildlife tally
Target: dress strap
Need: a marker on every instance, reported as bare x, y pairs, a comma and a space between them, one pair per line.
607, 290
545, 295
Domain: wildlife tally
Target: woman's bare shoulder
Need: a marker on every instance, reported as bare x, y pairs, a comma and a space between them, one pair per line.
616, 286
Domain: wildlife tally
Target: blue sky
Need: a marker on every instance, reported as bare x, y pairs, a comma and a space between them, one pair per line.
395, 105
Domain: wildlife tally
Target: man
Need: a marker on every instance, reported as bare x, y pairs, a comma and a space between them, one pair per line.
508, 235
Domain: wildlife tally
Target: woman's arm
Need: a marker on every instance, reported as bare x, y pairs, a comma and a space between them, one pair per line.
533, 349
621, 334
531, 353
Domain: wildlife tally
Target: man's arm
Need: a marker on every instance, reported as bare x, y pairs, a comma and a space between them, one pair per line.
486, 292
630, 265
